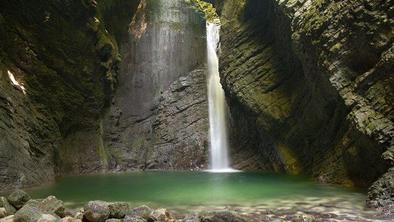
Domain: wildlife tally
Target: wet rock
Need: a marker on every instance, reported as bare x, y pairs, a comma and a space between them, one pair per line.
96, 211
118, 210
18, 198
9, 209
223, 216
142, 212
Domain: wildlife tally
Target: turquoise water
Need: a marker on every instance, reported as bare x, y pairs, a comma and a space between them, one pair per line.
191, 188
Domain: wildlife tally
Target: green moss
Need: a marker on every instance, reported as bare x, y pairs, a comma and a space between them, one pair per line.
207, 9
289, 159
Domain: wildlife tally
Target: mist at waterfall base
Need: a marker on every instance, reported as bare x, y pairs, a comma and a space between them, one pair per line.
219, 157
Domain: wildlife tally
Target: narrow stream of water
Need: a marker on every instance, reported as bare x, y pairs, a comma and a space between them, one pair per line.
217, 105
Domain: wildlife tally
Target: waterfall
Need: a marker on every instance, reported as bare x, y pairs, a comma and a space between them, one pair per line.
217, 105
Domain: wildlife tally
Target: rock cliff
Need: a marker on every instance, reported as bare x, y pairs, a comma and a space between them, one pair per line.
58, 66
159, 114
310, 87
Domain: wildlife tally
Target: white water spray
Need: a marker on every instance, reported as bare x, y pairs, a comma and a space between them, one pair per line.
217, 105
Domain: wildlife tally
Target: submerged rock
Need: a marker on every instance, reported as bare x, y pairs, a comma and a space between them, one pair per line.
222, 216
18, 198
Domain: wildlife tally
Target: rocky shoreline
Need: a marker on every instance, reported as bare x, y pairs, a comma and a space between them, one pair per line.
20, 207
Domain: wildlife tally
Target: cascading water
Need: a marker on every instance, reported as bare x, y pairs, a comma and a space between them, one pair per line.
217, 105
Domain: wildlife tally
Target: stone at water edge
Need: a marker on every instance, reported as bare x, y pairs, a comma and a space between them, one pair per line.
118, 210
8, 207
48, 218
30, 212
8, 219
142, 211
160, 215
133, 219
96, 211
3, 212
303, 218
70, 219
18, 198
222, 216
52, 205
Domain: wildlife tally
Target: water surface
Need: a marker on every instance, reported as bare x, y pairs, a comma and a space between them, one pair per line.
190, 188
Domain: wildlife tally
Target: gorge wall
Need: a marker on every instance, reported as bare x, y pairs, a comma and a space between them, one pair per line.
97, 86
58, 66
310, 88
159, 114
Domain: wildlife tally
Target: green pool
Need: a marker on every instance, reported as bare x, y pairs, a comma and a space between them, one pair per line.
191, 188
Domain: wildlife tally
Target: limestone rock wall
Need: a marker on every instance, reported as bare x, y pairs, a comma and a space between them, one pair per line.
151, 124
64, 64
310, 86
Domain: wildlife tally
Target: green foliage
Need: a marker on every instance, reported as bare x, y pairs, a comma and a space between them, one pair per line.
207, 9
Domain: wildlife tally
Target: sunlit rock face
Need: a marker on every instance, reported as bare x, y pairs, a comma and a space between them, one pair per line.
158, 118
310, 87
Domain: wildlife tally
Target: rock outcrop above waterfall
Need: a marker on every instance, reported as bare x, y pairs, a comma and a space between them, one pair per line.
310, 87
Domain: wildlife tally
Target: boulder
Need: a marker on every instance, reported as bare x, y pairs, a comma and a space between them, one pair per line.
70, 219
18, 198
3, 212
114, 220
97, 211
8, 219
303, 218
30, 212
9, 209
48, 218
158, 215
52, 205
222, 216
142, 212
118, 210
191, 218
134, 219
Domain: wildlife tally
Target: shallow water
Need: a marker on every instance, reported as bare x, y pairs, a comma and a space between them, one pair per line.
247, 193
